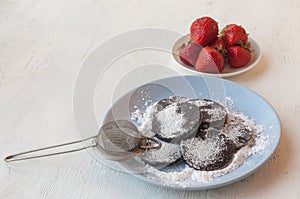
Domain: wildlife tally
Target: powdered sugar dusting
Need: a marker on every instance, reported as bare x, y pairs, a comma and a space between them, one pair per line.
206, 151
171, 121
239, 158
228, 103
144, 119
201, 102
180, 178
167, 154
213, 152
261, 141
216, 113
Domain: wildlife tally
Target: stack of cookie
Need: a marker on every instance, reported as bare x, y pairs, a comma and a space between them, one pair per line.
199, 132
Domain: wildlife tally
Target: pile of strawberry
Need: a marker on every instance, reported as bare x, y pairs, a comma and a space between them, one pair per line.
208, 51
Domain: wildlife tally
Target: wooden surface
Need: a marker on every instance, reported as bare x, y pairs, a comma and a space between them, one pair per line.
42, 47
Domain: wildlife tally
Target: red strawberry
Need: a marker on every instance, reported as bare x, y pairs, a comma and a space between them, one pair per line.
238, 56
188, 54
204, 31
234, 34
210, 61
219, 45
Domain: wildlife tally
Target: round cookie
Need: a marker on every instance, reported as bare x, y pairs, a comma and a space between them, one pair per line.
165, 156
176, 121
213, 114
238, 131
214, 152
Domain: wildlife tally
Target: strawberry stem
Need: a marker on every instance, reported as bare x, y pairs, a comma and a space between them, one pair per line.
223, 31
181, 46
247, 46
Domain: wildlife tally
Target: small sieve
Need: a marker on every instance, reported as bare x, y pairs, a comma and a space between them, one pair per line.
117, 140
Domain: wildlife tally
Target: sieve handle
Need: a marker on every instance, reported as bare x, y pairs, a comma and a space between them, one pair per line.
145, 143
19, 156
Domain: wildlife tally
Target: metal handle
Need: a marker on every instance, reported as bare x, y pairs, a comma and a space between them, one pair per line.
15, 157
147, 143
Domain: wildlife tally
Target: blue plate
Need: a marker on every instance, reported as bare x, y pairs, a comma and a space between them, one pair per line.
235, 97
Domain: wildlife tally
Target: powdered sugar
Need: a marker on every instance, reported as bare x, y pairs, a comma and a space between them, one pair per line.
206, 150
166, 155
144, 119
180, 178
211, 153
171, 121
239, 158
216, 113
201, 102
261, 141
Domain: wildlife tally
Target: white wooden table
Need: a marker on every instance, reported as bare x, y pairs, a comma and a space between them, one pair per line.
43, 45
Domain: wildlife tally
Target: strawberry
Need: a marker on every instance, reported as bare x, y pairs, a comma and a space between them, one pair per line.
238, 56
210, 61
204, 31
219, 45
188, 54
234, 34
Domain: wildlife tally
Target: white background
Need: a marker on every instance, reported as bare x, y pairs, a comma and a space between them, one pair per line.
42, 47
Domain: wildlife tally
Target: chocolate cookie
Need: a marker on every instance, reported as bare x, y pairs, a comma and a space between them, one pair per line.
213, 152
238, 131
213, 114
165, 156
176, 121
